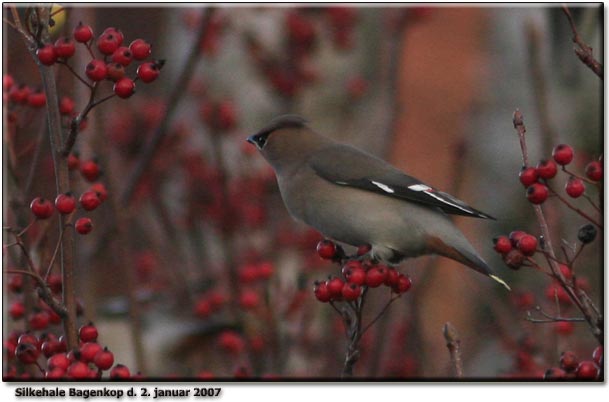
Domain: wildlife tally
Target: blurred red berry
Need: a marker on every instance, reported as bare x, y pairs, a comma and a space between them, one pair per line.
37, 99
83, 225
575, 187
249, 299
231, 342
90, 170
46, 54
89, 200
562, 154
587, 370
514, 259
124, 88
58, 360
568, 361
326, 249
597, 355
66, 105
16, 310
88, 350
27, 353
120, 372
564, 327
41, 208
594, 171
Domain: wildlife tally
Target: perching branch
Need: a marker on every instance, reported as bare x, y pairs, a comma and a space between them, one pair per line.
453, 343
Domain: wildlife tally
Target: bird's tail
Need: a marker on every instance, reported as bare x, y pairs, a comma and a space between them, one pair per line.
466, 257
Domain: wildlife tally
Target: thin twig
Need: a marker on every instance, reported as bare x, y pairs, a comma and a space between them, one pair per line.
574, 208
583, 51
453, 343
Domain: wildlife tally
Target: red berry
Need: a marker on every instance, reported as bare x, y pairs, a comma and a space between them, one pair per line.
52, 347
16, 310
587, 370
231, 342
41, 208
362, 250
562, 154
322, 293
502, 244
78, 370
116, 33
124, 88
335, 287
546, 169
108, 42
140, 49
226, 115
116, 71
19, 94
597, 355
88, 333
90, 170
104, 359
37, 99
7, 82
568, 361
326, 249
555, 291
64, 47
88, 350
514, 259
575, 187
39, 320
89, 200
403, 285
351, 291
249, 299
537, 193
357, 87
565, 271
148, 72
554, 373
28, 337
528, 176
375, 277
564, 327
58, 360
122, 56
65, 203
594, 171
392, 277
82, 33
100, 190
265, 270
527, 244
15, 283
354, 273
46, 55
83, 226
66, 106
96, 70
27, 353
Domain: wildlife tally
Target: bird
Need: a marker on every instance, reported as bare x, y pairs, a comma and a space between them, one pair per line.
356, 198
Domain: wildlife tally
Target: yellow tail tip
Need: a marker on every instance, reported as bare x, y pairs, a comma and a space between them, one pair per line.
501, 281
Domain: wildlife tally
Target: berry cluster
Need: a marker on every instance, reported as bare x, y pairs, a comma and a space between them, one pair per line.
357, 276
66, 204
112, 62
49, 353
535, 179
571, 367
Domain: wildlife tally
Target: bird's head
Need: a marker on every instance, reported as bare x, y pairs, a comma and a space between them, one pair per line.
285, 140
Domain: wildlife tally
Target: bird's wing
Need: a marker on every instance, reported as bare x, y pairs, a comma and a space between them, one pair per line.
348, 166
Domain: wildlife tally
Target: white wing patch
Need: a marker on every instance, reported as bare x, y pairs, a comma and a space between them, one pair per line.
383, 187
429, 191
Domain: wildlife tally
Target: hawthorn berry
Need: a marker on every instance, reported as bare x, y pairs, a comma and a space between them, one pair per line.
554, 291
101, 191
96, 70
82, 33
148, 72
58, 360
568, 361
39, 320
107, 43
515, 236
537, 193
65, 47
27, 353
19, 94
403, 284
140, 49
83, 226
28, 337
527, 244
104, 359
41, 208
116, 71
116, 33
565, 271
16, 310
249, 299
90, 170
351, 291
587, 370
326, 249
66, 105
88, 333
46, 54
335, 287
514, 259
354, 272
37, 99
88, 350
15, 283
364, 249
392, 277
322, 293
78, 370
7, 82
587, 233
231, 342
594, 171
89, 200
528, 176
55, 373
122, 56
65, 203
562, 154
575, 187
546, 169
375, 277
502, 244
124, 87
564, 327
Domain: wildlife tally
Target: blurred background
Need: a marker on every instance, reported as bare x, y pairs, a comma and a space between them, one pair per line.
195, 270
